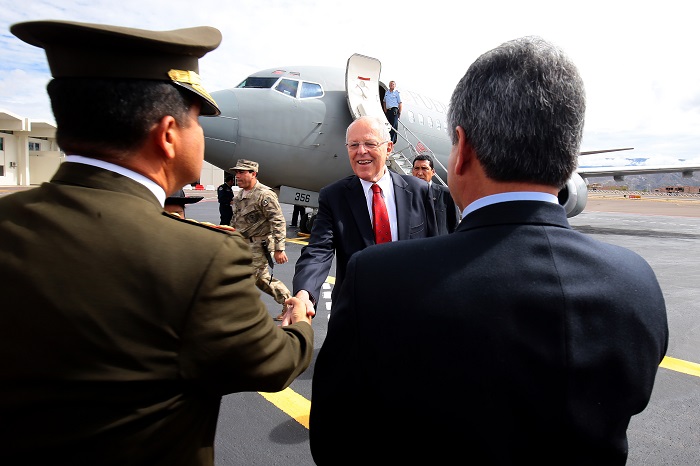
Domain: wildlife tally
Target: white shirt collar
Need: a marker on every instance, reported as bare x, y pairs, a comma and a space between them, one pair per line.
505, 197
152, 186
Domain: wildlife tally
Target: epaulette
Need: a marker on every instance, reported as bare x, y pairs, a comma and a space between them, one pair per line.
211, 226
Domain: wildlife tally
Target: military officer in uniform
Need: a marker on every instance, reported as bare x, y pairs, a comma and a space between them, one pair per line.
257, 215
123, 326
225, 195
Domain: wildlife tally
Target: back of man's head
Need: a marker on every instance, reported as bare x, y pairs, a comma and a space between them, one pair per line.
104, 118
522, 108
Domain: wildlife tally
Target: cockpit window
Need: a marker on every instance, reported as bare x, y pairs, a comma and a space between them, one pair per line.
311, 90
285, 86
258, 82
288, 87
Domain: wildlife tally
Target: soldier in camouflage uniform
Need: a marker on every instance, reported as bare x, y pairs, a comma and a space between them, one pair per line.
257, 215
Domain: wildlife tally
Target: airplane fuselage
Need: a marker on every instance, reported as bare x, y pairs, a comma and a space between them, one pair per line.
292, 121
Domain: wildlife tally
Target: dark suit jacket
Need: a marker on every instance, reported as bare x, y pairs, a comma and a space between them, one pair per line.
446, 213
121, 326
531, 344
343, 227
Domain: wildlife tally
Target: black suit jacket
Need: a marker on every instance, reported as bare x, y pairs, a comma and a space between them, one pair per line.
534, 344
342, 227
446, 213
121, 326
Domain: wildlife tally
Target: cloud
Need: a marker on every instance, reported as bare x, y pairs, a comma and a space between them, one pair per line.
637, 63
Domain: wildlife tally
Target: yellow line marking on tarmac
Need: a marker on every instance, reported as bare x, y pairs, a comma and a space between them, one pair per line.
298, 407
673, 364
289, 401
297, 241
680, 365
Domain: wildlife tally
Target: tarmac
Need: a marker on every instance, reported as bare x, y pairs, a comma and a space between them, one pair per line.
272, 429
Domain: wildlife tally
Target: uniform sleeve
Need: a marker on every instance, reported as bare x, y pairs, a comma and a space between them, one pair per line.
230, 343
273, 213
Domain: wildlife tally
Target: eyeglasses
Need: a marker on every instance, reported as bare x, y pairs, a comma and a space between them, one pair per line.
369, 145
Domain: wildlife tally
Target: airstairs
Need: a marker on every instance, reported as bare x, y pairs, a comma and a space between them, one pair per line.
405, 150
362, 89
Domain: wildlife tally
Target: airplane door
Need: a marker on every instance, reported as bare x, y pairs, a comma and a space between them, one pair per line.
362, 86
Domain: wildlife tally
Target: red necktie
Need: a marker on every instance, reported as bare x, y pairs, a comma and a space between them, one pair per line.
382, 230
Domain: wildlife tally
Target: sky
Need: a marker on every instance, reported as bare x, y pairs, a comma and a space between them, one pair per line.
638, 60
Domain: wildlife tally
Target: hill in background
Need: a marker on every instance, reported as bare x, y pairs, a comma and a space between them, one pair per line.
647, 182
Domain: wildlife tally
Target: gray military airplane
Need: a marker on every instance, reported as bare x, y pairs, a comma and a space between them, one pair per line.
292, 120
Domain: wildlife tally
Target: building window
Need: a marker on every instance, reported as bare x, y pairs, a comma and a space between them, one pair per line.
34, 146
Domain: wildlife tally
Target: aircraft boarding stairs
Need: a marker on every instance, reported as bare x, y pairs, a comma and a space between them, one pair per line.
362, 87
405, 150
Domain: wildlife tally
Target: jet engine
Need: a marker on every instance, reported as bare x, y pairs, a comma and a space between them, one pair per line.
574, 195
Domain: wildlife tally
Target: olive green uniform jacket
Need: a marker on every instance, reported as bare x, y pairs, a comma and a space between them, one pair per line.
122, 327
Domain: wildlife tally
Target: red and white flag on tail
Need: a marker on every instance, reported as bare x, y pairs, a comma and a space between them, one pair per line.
421, 148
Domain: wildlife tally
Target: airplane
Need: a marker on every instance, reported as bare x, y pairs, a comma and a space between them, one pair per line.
292, 121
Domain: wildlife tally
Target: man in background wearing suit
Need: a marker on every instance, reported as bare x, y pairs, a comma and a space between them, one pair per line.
122, 326
446, 213
513, 340
343, 224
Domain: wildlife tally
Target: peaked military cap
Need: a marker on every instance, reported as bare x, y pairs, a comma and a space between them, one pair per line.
85, 50
179, 198
243, 164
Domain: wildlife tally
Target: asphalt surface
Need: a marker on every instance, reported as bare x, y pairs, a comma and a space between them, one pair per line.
665, 231
258, 429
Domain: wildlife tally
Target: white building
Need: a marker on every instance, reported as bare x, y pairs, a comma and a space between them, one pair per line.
30, 156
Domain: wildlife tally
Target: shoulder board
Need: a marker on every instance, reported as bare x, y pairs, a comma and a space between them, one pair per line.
210, 226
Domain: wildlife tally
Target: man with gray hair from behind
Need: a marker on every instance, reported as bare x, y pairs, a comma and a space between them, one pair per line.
527, 343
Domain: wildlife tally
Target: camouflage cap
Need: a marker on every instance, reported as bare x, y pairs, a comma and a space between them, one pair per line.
244, 164
85, 50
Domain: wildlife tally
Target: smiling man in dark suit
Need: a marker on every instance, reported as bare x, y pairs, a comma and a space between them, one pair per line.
122, 325
515, 339
344, 223
446, 213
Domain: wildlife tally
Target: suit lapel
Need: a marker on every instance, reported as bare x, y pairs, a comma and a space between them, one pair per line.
357, 202
435, 193
404, 199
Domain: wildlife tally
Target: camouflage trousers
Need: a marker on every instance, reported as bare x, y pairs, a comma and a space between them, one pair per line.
274, 287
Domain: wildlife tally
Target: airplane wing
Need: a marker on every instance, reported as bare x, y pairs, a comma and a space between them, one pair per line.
619, 172
587, 152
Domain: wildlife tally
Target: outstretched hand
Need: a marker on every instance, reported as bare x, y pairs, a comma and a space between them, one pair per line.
298, 310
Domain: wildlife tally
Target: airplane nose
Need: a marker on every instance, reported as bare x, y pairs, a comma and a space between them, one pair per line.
221, 132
